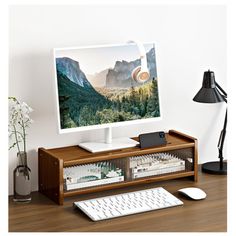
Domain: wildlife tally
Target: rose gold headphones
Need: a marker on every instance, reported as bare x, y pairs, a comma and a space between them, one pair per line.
141, 73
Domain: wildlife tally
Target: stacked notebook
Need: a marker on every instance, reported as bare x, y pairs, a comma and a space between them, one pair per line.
82, 176
155, 164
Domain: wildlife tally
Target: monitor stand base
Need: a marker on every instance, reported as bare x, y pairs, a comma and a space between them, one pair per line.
116, 144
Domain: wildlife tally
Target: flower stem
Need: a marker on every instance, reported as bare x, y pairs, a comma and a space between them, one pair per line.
17, 141
24, 135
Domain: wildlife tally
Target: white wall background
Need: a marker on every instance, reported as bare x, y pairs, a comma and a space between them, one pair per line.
191, 39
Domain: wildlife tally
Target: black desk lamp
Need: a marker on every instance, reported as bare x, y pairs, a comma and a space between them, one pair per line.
211, 92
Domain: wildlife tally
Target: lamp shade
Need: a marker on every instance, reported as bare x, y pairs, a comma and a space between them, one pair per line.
208, 92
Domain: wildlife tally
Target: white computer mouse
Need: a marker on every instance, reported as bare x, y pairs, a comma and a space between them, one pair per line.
193, 193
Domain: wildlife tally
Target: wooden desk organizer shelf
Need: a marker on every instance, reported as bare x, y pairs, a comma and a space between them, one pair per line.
52, 161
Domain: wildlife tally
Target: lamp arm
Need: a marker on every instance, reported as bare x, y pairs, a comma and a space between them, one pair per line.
222, 95
222, 92
220, 88
223, 132
221, 141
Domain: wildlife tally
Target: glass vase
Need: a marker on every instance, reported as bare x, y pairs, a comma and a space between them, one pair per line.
22, 179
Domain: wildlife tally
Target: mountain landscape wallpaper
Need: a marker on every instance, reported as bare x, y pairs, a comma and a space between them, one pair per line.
95, 86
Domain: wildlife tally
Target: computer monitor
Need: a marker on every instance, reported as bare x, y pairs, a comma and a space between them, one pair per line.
103, 87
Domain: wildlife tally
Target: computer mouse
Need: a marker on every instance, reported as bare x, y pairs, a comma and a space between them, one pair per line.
193, 193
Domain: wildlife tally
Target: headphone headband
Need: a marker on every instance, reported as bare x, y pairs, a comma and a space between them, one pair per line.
142, 53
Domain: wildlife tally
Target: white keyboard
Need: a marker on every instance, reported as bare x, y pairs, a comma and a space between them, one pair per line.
128, 203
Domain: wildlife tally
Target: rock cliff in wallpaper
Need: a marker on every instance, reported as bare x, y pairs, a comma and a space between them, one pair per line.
72, 71
98, 79
120, 75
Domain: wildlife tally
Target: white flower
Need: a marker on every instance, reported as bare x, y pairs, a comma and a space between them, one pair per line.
31, 121
25, 108
19, 120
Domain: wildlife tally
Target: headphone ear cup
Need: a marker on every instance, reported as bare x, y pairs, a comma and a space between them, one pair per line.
142, 76
135, 73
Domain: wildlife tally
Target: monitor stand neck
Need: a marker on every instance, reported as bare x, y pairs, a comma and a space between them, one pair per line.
109, 144
108, 135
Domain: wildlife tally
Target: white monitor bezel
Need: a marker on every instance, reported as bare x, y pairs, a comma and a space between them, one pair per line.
109, 125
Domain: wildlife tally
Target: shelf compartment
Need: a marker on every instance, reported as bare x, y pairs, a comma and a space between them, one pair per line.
130, 183
94, 174
160, 163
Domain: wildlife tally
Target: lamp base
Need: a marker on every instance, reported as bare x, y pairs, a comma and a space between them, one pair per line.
214, 168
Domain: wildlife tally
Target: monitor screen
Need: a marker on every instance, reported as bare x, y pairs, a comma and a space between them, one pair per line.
95, 88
